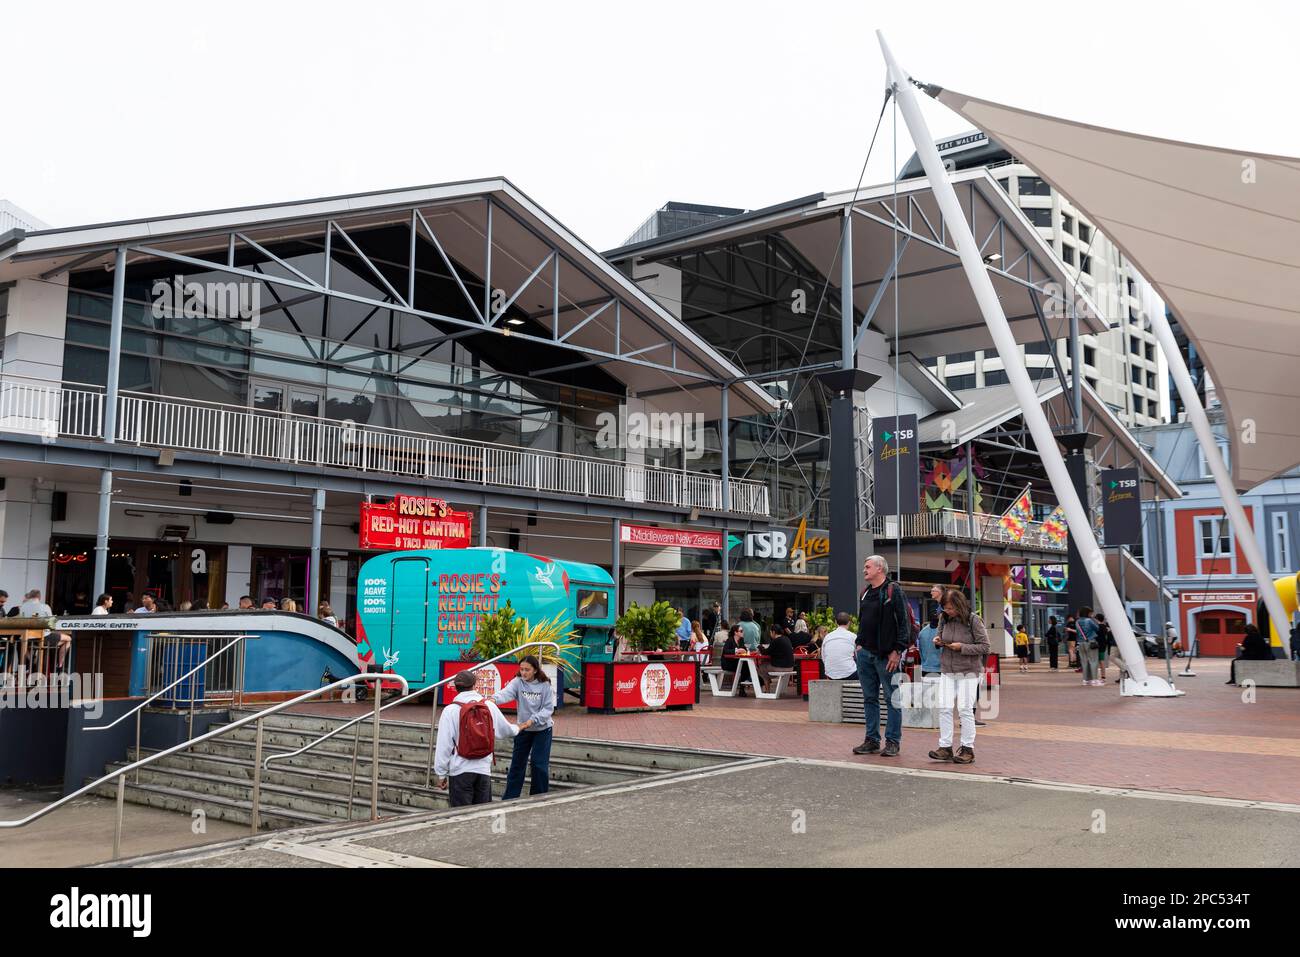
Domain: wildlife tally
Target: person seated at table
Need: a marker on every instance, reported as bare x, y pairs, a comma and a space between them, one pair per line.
839, 650
798, 638
780, 656
720, 635
1252, 648
734, 644
700, 645
814, 646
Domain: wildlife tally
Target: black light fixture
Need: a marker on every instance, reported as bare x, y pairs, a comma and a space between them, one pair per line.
187, 487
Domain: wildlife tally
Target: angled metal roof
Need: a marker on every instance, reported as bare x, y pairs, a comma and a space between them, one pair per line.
642, 324
938, 312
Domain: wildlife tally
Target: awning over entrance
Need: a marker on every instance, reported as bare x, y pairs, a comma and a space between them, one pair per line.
984, 409
712, 577
1134, 581
1216, 231
938, 311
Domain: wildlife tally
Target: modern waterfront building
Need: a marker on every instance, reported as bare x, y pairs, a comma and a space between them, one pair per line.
1190, 543
765, 288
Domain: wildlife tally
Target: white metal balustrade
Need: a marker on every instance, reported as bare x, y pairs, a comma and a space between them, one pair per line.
76, 411
955, 525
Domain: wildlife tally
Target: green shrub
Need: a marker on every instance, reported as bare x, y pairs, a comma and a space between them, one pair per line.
649, 629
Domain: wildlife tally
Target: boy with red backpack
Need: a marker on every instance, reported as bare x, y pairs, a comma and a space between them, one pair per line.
467, 733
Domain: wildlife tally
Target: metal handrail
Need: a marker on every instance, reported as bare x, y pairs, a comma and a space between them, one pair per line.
403, 700
138, 710
201, 665
120, 773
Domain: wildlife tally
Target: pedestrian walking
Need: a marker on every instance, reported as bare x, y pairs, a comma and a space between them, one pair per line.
1022, 648
1053, 637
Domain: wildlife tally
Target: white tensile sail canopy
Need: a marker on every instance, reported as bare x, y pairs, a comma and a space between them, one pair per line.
1216, 231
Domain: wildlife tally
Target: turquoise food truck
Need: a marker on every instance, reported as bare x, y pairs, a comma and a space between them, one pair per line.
417, 609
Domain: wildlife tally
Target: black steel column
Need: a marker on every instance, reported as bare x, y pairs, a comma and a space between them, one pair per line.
1076, 463
845, 572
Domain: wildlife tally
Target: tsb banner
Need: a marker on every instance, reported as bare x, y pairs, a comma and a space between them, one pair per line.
414, 522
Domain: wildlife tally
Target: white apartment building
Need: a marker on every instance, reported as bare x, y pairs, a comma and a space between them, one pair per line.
1125, 365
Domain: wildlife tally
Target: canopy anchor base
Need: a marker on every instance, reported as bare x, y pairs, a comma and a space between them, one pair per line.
1149, 687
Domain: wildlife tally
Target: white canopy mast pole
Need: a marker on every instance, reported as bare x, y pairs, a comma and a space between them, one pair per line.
1242, 532
1035, 419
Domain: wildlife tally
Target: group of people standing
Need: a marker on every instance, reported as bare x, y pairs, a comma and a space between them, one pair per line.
953, 646
1089, 642
469, 727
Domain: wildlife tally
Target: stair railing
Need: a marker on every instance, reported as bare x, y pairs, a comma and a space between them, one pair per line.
121, 773
428, 768
138, 710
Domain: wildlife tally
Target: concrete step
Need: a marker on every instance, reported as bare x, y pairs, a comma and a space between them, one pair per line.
214, 806
326, 757
201, 786
397, 785
406, 734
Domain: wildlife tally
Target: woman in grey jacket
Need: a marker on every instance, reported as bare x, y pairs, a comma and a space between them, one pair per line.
535, 697
963, 644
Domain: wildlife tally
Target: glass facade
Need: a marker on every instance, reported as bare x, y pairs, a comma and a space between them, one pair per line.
335, 358
765, 308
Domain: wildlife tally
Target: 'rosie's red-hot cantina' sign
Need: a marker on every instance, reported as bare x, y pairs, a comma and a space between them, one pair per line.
670, 537
413, 521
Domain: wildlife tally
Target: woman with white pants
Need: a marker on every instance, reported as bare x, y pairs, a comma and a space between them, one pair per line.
963, 644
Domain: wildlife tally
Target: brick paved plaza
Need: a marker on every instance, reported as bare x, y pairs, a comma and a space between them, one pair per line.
1048, 727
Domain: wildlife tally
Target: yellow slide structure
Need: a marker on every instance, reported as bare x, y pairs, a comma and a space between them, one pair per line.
1288, 589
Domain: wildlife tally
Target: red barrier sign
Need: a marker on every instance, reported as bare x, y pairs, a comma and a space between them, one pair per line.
413, 521
640, 686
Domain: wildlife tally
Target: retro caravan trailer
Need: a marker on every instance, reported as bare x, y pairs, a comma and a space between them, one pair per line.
417, 610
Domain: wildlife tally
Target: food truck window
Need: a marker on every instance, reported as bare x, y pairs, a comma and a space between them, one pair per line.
593, 603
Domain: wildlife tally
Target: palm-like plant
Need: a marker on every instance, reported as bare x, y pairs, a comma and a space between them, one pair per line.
505, 630
554, 629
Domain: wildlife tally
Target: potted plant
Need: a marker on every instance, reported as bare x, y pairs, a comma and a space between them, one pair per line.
652, 628
505, 630
826, 616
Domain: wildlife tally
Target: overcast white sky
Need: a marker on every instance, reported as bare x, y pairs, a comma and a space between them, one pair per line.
600, 111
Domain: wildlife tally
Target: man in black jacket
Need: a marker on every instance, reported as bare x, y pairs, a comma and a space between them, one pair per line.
884, 633
780, 655
1053, 637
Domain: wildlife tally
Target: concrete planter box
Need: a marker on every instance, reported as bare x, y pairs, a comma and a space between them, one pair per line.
840, 702
1277, 673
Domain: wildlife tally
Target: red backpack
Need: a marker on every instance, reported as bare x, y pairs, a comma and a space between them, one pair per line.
477, 738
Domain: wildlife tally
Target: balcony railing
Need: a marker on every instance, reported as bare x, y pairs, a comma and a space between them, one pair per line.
952, 525
53, 410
